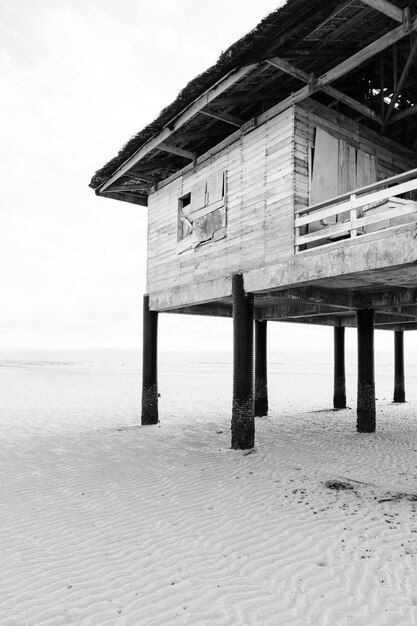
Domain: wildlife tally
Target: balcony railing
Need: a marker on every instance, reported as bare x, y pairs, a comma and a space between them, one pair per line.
385, 204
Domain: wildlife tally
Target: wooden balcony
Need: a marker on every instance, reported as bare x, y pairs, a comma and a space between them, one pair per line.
381, 206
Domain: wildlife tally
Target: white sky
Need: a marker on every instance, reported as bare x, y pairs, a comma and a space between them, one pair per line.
77, 79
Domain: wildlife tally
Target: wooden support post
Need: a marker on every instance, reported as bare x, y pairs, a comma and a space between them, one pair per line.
339, 393
150, 365
243, 423
366, 377
399, 384
261, 385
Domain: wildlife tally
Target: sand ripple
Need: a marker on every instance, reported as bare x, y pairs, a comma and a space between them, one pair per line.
166, 525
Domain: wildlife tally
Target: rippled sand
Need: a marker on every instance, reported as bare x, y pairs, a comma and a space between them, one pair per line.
104, 522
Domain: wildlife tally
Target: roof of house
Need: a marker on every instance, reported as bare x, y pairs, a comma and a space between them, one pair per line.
294, 48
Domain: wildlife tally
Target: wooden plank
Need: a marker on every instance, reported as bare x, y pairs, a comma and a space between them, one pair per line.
165, 147
346, 227
353, 104
326, 167
215, 187
347, 173
198, 199
358, 202
197, 214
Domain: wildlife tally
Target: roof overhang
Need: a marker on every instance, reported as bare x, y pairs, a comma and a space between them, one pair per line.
369, 84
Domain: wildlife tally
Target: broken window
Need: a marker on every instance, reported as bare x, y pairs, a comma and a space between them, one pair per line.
202, 213
184, 225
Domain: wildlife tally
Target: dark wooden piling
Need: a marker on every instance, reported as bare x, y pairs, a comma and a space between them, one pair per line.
339, 389
243, 424
366, 377
399, 380
150, 365
261, 383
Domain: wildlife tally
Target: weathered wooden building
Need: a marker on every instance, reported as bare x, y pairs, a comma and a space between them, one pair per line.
281, 184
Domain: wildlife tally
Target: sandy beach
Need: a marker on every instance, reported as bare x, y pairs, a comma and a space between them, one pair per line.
105, 522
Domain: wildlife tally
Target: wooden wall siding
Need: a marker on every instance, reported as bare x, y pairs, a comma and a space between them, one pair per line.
388, 157
259, 218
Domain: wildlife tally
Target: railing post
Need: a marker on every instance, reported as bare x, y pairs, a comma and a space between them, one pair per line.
353, 215
297, 234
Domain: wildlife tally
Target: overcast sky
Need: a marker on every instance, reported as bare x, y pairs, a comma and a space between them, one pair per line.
77, 79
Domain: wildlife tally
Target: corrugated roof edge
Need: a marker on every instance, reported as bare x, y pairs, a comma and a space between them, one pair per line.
232, 58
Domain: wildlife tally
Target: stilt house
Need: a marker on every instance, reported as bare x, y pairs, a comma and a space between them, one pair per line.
281, 184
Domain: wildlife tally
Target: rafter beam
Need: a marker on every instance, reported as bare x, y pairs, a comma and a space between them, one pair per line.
243, 99
141, 175
186, 154
129, 189
223, 117
294, 311
200, 134
147, 167
400, 85
353, 104
343, 68
185, 116
363, 55
288, 68
389, 9
140, 199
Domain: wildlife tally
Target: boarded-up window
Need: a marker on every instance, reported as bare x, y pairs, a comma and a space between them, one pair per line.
202, 217
337, 167
324, 167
